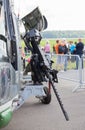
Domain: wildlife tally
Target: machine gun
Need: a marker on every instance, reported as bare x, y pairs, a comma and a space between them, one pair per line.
40, 68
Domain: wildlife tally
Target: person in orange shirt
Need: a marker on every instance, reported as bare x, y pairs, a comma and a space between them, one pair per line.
56, 46
60, 55
58, 60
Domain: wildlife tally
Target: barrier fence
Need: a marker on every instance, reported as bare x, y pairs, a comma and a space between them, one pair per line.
71, 68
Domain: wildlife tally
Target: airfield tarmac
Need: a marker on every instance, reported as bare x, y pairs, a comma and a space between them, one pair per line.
34, 115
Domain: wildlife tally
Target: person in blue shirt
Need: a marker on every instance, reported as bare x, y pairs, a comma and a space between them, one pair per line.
72, 48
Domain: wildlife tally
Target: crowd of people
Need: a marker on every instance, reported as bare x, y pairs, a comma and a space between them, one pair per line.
75, 49
63, 48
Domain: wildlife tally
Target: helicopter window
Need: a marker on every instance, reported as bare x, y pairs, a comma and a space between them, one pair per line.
3, 51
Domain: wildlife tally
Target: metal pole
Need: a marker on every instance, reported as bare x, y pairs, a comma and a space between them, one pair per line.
80, 73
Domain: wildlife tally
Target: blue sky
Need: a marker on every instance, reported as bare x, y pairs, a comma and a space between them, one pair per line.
61, 14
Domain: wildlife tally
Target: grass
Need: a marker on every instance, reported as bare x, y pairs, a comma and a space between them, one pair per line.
53, 41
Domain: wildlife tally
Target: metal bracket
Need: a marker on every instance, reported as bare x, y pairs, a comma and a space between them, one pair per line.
28, 91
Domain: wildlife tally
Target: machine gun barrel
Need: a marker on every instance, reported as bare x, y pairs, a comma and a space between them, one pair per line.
57, 96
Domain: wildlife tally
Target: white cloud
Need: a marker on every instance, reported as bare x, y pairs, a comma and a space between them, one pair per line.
61, 14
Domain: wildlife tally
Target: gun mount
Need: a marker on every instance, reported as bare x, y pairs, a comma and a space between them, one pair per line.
40, 68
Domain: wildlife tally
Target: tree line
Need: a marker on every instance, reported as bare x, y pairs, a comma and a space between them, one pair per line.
63, 34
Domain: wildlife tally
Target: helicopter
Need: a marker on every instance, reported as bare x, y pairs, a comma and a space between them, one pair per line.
13, 90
